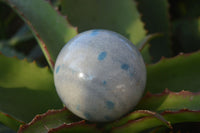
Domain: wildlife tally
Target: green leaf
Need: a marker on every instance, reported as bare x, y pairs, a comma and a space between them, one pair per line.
156, 18
9, 51
4, 129
177, 73
23, 34
9, 121
79, 127
118, 15
147, 39
50, 29
143, 46
145, 54
51, 119
170, 101
149, 122
186, 34
138, 114
185, 9
26, 89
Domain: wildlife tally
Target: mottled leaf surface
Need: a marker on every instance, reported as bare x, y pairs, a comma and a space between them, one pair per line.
50, 28
156, 18
177, 73
26, 89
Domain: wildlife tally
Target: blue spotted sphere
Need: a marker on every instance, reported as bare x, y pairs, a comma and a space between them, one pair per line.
100, 75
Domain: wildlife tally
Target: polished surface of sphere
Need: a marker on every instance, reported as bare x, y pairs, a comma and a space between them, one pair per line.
100, 75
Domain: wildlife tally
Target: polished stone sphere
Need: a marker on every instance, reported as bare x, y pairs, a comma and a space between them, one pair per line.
100, 75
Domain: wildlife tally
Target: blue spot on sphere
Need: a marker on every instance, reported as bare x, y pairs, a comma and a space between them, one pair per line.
104, 82
102, 56
57, 69
125, 67
110, 104
87, 116
78, 107
94, 32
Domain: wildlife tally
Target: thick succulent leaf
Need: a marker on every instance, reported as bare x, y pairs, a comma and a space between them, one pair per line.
143, 46
147, 39
79, 127
50, 28
186, 34
170, 101
186, 127
156, 18
51, 119
4, 129
118, 15
138, 114
9, 51
9, 121
145, 54
149, 122
177, 73
23, 34
185, 9
26, 89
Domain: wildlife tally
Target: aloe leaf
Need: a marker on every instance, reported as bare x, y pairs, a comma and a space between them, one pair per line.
186, 33
51, 119
170, 101
118, 15
50, 29
149, 122
177, 73
9, 51
185, 9
79, 127
9, 121
22, 35
145, 54
4, 129
138, 114
147, 39
26, 89
156, 18
143, 46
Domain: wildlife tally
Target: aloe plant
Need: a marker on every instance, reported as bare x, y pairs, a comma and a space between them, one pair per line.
166, 32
